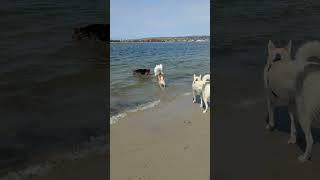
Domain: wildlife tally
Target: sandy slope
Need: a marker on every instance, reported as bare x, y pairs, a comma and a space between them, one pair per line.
170, 141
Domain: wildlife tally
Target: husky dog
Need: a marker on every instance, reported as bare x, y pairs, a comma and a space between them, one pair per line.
279, 78
92, 31
199, 86
161, 81
294, 83
206, 95
307, 92
158, 72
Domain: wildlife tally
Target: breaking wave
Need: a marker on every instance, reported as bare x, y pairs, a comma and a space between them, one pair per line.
114, 119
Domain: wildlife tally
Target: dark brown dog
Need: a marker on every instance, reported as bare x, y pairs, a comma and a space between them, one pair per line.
142, 71
92, 31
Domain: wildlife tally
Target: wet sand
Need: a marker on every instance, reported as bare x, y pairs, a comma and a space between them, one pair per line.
169, 141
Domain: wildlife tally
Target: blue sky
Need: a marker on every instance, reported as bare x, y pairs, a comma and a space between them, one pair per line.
154, 18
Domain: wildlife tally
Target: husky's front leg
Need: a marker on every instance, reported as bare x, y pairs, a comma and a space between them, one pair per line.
306, 127
206, 106
305, 123
270, 106
194, 97
201, 105
293, 131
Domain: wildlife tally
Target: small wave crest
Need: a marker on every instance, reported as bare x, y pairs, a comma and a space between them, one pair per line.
114, 119
186, 94
250, 102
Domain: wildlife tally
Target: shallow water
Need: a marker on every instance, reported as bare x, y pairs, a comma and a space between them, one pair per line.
180, 61
51, 87
251, 23
242, 31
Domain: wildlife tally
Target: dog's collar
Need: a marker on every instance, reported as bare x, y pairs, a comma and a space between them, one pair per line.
275, 60
269, 67
275, 95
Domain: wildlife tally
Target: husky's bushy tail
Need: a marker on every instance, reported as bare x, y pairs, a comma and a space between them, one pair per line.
308, 59
307, 91
307, 82
158, 69
309, 53
206, 77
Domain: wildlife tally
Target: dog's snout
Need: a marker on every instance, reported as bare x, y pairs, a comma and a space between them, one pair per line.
277, 57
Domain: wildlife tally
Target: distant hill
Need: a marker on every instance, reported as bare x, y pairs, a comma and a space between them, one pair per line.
168, 39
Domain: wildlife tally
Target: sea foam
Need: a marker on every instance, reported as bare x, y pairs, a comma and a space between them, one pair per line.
114, 119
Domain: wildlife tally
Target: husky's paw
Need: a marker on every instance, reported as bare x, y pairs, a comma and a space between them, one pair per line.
270, 127
292, 140
204, 111
303, 158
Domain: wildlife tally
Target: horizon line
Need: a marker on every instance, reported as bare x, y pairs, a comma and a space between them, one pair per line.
158, 37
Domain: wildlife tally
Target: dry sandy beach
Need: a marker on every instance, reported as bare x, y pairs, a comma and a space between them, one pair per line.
169, 141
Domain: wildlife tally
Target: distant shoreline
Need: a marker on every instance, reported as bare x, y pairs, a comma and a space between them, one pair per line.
201, 38
159, 42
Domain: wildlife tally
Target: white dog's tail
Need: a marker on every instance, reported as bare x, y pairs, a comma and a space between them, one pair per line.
158, 69
206, 78
307, 51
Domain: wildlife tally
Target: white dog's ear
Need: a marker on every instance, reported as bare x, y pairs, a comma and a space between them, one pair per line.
289, 46
271, 46
200, 76
194, 76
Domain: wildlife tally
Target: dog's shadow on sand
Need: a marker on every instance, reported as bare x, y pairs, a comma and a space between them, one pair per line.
282, 124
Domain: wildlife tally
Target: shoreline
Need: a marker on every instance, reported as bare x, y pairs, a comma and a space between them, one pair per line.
157, 42
169, 141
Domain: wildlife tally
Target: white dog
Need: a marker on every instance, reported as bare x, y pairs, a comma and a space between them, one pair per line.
158, 72
279, 79
206, 95
199, 86
295, 83
196, 87
307, 91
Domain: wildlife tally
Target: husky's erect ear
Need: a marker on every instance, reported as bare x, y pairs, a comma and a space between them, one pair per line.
288, 47
200, 76
271, 46
194, 76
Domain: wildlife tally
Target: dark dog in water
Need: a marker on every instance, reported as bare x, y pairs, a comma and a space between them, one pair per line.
141, 72
92, 31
